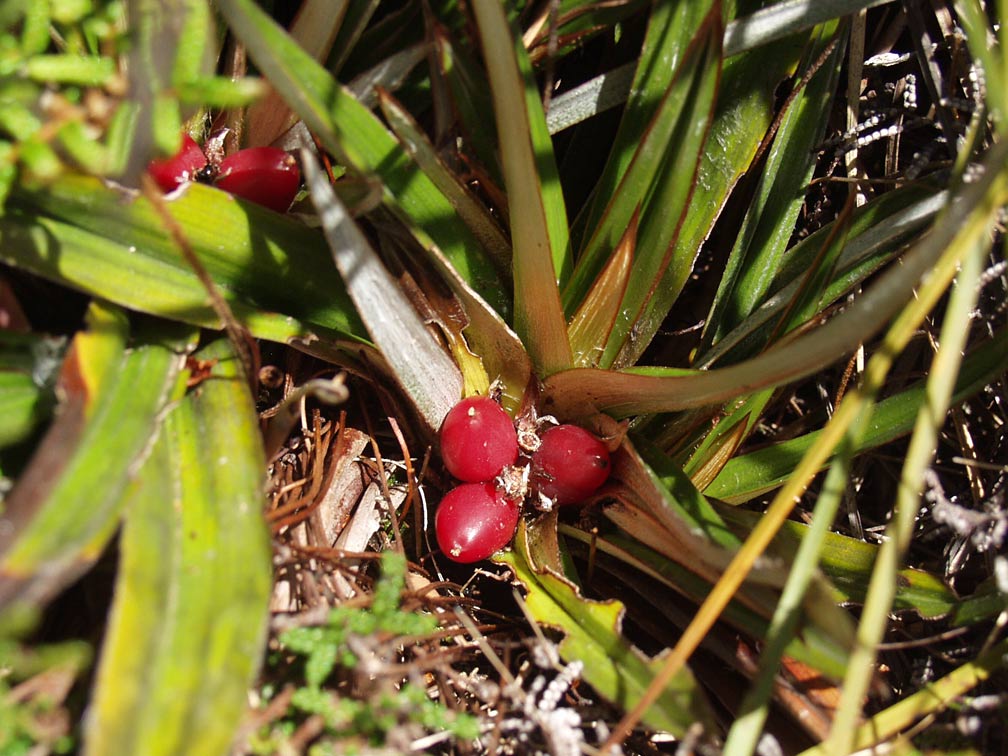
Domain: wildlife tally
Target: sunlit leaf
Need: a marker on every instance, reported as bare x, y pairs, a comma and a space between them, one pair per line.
274, 272
744, 112
657, 505
814, 647
848, 563
536, 211
613, 667
188, 623
359, 140
66, 504
314, 28
427, 374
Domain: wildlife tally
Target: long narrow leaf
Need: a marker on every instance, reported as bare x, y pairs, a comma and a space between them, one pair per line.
625, 394
274, 272
66, 504
470, 211
188, 623
353, 133
919, 457
536, 211
877, 233
428, 375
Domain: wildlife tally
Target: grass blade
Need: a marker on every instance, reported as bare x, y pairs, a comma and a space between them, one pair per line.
744, 113
784, 626
188, 623
932, 698
741, 35
748, 475
877, 232
848, 562
315, 28
919, 456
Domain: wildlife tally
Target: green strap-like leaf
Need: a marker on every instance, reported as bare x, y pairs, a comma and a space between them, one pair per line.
766, 231
66, 504
275, 273
536, 209
616, 669
188, 622
351, 131
746, 476
813, 647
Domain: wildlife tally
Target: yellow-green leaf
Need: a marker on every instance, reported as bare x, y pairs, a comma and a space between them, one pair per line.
615, 668
188, 622
66, 504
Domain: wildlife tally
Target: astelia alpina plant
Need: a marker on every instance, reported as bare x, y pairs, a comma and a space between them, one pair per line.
664, 285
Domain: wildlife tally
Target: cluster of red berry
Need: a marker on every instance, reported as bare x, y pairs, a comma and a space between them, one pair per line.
265, 175
479, 446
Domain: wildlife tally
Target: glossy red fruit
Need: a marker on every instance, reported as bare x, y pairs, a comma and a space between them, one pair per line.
170, 173
569, 465
475, 520
264, 175
478, 439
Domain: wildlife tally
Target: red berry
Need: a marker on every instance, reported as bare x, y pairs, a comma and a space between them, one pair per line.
170, 173
475, 520
264, 175
478, 439
569, 465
